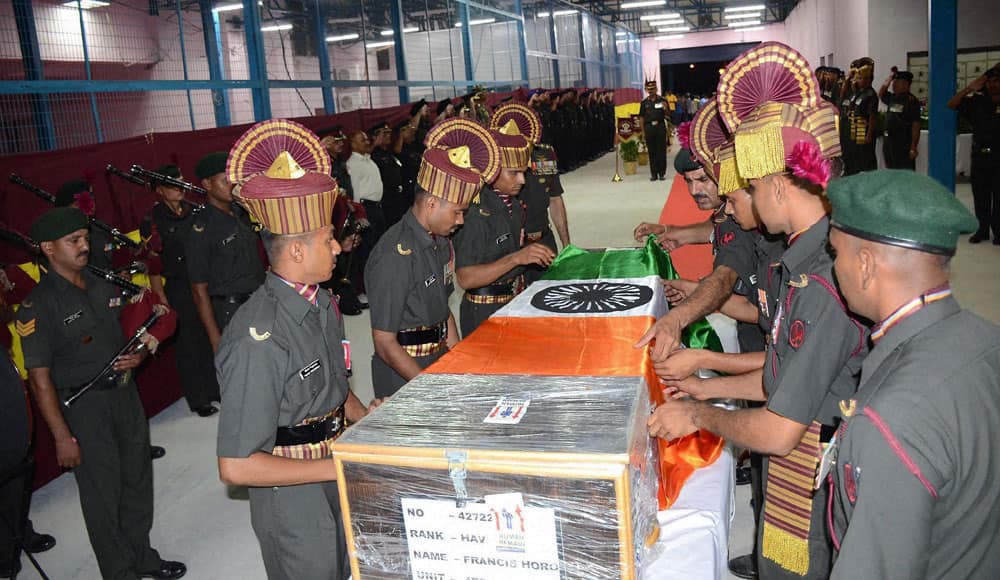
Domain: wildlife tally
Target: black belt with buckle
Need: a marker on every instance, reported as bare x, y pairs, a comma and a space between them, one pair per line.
315, 432
231, 298
504, 289
432, 335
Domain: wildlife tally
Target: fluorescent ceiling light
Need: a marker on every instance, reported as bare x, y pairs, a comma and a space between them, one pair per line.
370, 45
621, 33
642, 4
411, 29
564, 12
386, 33
755, 28
86, 4
338, 38
740, 23
227, 7
662, 16
275, 27
754, 8
666, 22
669, 37
741, 15
674, 29
477, 22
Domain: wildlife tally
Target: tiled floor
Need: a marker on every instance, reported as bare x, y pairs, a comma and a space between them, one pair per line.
201, 522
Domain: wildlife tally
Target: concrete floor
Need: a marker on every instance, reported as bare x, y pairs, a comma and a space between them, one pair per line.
201, 522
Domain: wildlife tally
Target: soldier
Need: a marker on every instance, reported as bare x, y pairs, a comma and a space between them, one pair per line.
982, 108
654, 129
282, 364
409, 152
915, 467
169, 224
829, 83
390, 170
367, 182
335, 142
815, 348
69, 328
859, 118
445, 110
490, 256
221, 252
902, 122
348, 220
420, 119
410, 273
542, 191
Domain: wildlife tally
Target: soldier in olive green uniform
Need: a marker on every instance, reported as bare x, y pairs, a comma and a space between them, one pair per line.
858, 118
490, 256
223, 264
69, 328
814, 347
653, 110
542, 191
410, 273
917, 459
902, 122
282, 363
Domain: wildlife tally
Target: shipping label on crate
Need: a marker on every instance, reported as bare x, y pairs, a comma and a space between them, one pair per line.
500, 540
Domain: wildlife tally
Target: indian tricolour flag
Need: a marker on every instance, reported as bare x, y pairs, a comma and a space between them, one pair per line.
583, 319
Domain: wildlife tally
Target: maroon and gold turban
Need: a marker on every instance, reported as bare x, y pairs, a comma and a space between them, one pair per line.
515, 151
284, 176
707, 134
461, 155
514, 119
769, 99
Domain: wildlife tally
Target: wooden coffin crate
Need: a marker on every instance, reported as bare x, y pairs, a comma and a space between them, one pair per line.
419, 476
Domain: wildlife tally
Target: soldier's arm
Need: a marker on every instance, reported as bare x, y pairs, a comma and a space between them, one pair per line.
452, 331
203, 303
889, 497
557, 210
265, 470
387, 348
915, 135
707, 297
67, 449
747, 386
872, 121
479, 275
741, 309
758, 429
674, 237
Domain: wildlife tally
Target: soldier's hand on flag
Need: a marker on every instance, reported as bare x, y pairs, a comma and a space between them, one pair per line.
536, 253
681, 364
672, 420
678, 290
691, 387
669, 239
645, 228
665, 336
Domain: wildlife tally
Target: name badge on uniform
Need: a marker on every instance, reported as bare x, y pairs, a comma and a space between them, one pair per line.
897, 108
309, 369
228, 240
429, 281
72, 317
115, 302
108, 247
503, 238
658, 106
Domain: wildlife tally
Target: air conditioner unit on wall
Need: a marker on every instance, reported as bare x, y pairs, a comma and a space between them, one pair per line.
346, 101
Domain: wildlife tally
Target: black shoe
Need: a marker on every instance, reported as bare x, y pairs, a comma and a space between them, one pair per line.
996, 241
167, 569
206, 410
36, 543
743, 566
652, 178
663, 177
742, 475
156, 452
977, 237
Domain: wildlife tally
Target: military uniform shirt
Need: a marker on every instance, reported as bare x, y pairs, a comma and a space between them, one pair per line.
102, 248
72, 332
489, 233
339, 172
222, 252
409, 277
280, 361
902, 111
541, 183
732, 245
653, 111
174, 231
859, 106
759, 286
984, 116
917, 466
815, 347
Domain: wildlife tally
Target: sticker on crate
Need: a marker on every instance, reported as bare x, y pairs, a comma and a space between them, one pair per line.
508, 411
447, 541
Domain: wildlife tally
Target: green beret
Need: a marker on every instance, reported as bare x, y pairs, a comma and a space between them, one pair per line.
211, 164
900, 208
169, 170
66, 192
685, 162
56, 223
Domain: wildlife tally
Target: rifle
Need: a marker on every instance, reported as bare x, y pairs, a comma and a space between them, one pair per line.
120, 238
155, 178
129, 348
147, 184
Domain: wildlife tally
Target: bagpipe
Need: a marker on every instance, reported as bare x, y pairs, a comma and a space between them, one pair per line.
153, 179
120, 238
